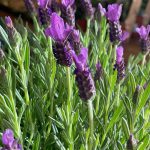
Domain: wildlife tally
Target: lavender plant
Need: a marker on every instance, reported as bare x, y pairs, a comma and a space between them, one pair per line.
53, 97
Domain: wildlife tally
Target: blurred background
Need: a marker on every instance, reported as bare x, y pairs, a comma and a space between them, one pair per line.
135, 13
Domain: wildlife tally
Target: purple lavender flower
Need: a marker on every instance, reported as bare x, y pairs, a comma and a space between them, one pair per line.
114, 12
43, 3
44, 12
8, 22
30, 6
9, 142
145, 38
119, 54
120, 63
88, 8
124, 36
59, 32
99, 71
67, 3
101, 10
113, 15
143, 32
68, 11
84, 78
8, 137
14, 37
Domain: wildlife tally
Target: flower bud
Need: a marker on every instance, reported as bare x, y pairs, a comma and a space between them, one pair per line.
88, 8
135, 95
30, 6
13, 35
131, 143
99, 72
145, 38
120, 63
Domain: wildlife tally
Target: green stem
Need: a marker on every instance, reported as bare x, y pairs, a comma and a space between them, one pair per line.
69, 83
118, 92
87, 32
23, 78
114, 54
36, 26
69, 110
17, 125
107, 108
90, 113
144, 59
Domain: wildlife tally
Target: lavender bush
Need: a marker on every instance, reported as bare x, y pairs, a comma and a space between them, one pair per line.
63, 89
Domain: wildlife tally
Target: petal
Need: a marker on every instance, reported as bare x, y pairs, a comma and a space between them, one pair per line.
76, 60
43, 3
101, 9
83, 56
124, 36
114, 12
8, 137
119, 51
80, 60
148, 30
67, 3
8, 22
142, 31
56, 31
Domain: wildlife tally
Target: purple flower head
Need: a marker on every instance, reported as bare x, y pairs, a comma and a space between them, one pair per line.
143, 32
119, 51
8, 22
119, 66
57, 30
86, 5
8, 137
81, 59
67, 3
43, 3
30, 6
114, 12
83, 77
101, 10
68, 11
9, 142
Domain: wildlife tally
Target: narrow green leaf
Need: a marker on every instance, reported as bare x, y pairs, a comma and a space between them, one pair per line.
145, 144
143, 100
125, 128
4, 36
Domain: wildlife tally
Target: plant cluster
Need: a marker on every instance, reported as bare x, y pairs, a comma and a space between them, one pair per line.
63, 89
